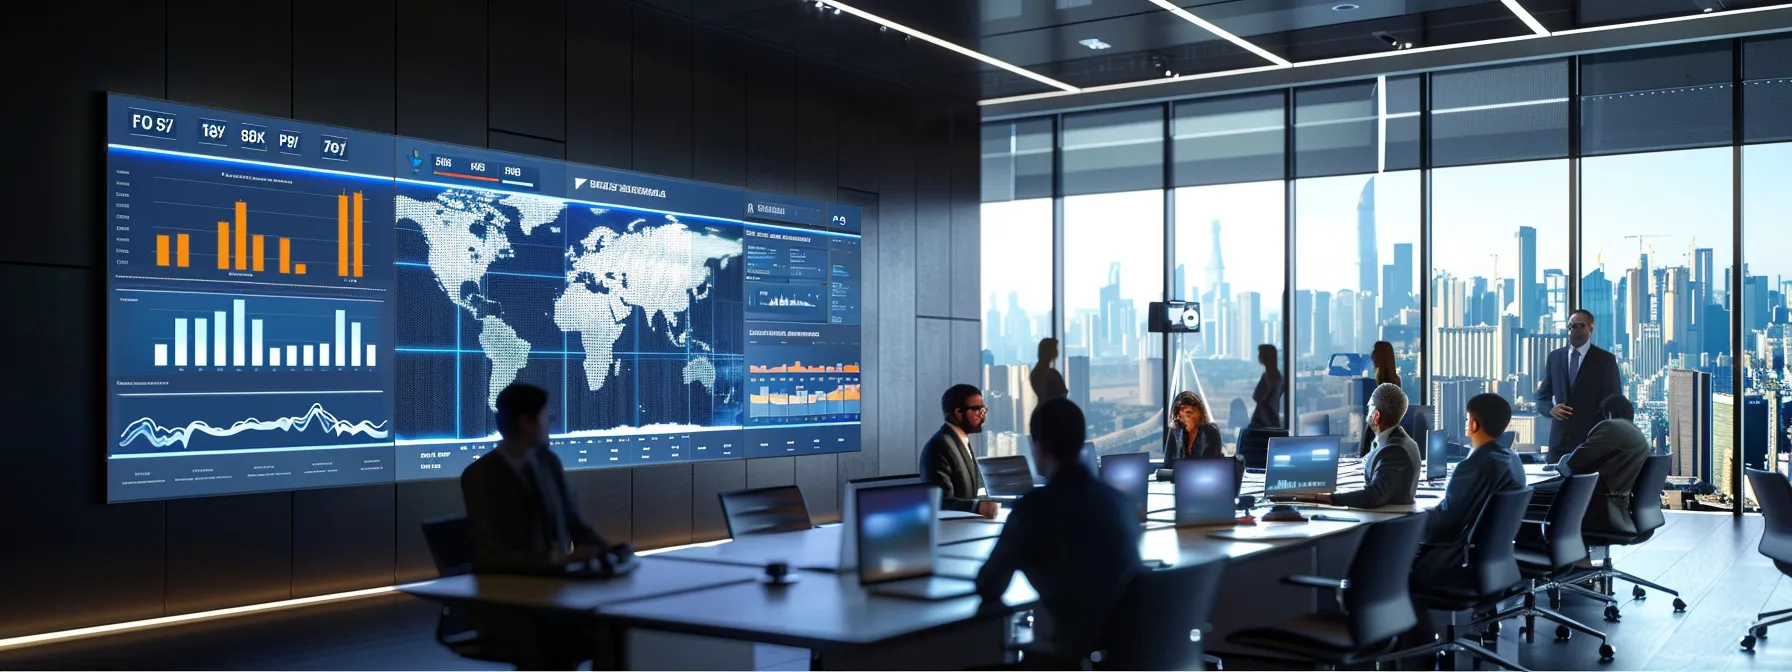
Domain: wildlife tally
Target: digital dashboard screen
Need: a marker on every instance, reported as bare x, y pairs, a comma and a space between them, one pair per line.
296, 306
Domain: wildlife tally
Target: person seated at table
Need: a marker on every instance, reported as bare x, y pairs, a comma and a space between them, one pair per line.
1615, 450
1075, 538
1489, 469
947, 461
524, 520
1391, 470
1193, 434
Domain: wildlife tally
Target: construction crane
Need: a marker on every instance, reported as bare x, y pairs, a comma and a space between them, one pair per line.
1639, 240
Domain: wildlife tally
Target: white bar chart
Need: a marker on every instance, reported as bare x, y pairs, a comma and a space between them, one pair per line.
180, 341
251, 334
161, 354
255, 342
199, 349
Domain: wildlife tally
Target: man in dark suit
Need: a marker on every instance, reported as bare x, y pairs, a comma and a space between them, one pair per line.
1392, 466
1579, 377
1615, 450
1489, 469
524, 521
1075, 538
947, 460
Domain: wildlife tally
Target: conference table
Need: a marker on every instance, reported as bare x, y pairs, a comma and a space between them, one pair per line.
705, 606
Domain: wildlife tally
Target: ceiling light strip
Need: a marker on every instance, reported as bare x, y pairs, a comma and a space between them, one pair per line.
1525, 16
1029, 74
1221, 32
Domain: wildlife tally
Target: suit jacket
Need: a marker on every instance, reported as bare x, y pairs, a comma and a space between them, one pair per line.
1489, 469
1268, 396
517, 530
1208, 444
1392, 470
1615, 450
1597, 380
1416, 423
947, 462
1077, 540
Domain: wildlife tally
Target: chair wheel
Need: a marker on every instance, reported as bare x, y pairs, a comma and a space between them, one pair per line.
1760, 632
1563, 633
1524, 633
1638, 593
1612, 614
1606, 653
1748, 643
1679, 605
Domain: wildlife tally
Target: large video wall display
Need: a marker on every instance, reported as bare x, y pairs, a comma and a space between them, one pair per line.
298, 306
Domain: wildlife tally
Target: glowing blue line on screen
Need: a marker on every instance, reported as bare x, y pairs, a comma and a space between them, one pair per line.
162, 437
264, 164
651, 211
836, 234
541, 276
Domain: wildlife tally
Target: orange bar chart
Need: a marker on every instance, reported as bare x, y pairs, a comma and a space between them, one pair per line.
242, 236
285, 256
223, 246
298, 269
357, 234
162, 250
258, 253
180, 250
342, 235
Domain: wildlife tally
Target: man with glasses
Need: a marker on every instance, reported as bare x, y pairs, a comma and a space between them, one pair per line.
947, 460
1579, 377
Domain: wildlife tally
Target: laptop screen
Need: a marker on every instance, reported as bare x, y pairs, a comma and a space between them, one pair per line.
1507, 438
1206, 491
1437, 455
1127, 473
896, 532
1006, 476
1301, 465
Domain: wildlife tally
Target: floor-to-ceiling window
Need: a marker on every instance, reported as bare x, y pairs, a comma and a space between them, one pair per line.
1767, 239
1113, 268
1016, 258
1656, 222
1229, 213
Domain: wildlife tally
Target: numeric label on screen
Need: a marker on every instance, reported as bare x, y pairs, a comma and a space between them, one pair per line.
152, 123
253, 137
335, 148
214, 132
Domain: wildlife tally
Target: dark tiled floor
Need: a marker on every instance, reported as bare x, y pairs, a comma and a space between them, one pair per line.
1709, 558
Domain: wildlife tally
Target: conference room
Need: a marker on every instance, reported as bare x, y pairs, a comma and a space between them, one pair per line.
922, 334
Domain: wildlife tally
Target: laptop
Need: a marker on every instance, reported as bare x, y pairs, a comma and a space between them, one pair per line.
1507, 439
1437, 455
1206, 492
1128, 473
896, 531
1007, 476
849, 498
1301, 465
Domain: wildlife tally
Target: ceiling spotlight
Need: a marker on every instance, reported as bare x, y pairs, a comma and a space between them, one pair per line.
1345, 7
820, 5
1168, 73
1392, 41
1094, 43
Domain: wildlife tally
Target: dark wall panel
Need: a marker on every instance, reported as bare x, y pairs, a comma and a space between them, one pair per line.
442, 70
599, 116
708, 481
857, 150
345, 74
818, 131
662, 505
967, 233
606, 498
933, 374
719, 101
342, 539
864, 464
70, 560
897, 439
771, 471
771, 120
226, 551
819, 478
525, 144
418, 501
234, 55
662, 94
527, 57
933, 215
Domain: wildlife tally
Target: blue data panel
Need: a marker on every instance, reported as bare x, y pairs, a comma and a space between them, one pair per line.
804, 389
249, 299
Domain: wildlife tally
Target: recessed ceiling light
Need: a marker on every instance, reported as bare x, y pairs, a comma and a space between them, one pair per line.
1344, 7
1094, 43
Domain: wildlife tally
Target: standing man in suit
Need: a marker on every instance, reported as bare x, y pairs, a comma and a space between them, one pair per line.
1489, 469
1392, 465
1615, 450
947, 460
1579, 377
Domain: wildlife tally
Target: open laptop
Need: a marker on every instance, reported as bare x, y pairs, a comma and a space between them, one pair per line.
1301, 465
849, 520
897, 528
1128, 473
1005, 477
1437, 457
1206, 492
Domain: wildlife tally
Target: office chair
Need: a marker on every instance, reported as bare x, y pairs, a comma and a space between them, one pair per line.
1491, 557
1645, 514
1559, 548
1775, 496
1157, 625
1376, 603
1253, 444
778, 508
450, 541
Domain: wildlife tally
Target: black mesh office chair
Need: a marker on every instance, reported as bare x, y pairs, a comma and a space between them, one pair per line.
1645, 514
1492, 556
1376, 603
1157, 625
450, 541
1775, 497
1550, 554
765, 510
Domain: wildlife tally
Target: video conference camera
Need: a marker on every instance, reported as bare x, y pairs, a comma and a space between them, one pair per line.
1174, 317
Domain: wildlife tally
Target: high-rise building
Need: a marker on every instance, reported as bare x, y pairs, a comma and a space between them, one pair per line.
1651, 355
1319, 333
1448, 300
1637, 302
992, 329
1555, 303
1303, 307
1396, 286
1467, 352
1449, 401
1368, 262
1533, 361
1689, 423
1248, 320
1343, 326
1076, 377
1530, 293
1596, 298
1754, 302
1703, 293
1676, 311
1368, 329
1109, 342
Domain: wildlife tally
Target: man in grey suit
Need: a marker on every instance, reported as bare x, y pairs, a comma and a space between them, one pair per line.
1615, 450
1579, 377
946, 460
1391, 469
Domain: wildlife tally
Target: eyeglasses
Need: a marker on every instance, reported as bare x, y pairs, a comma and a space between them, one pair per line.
974, 409
1576, 326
